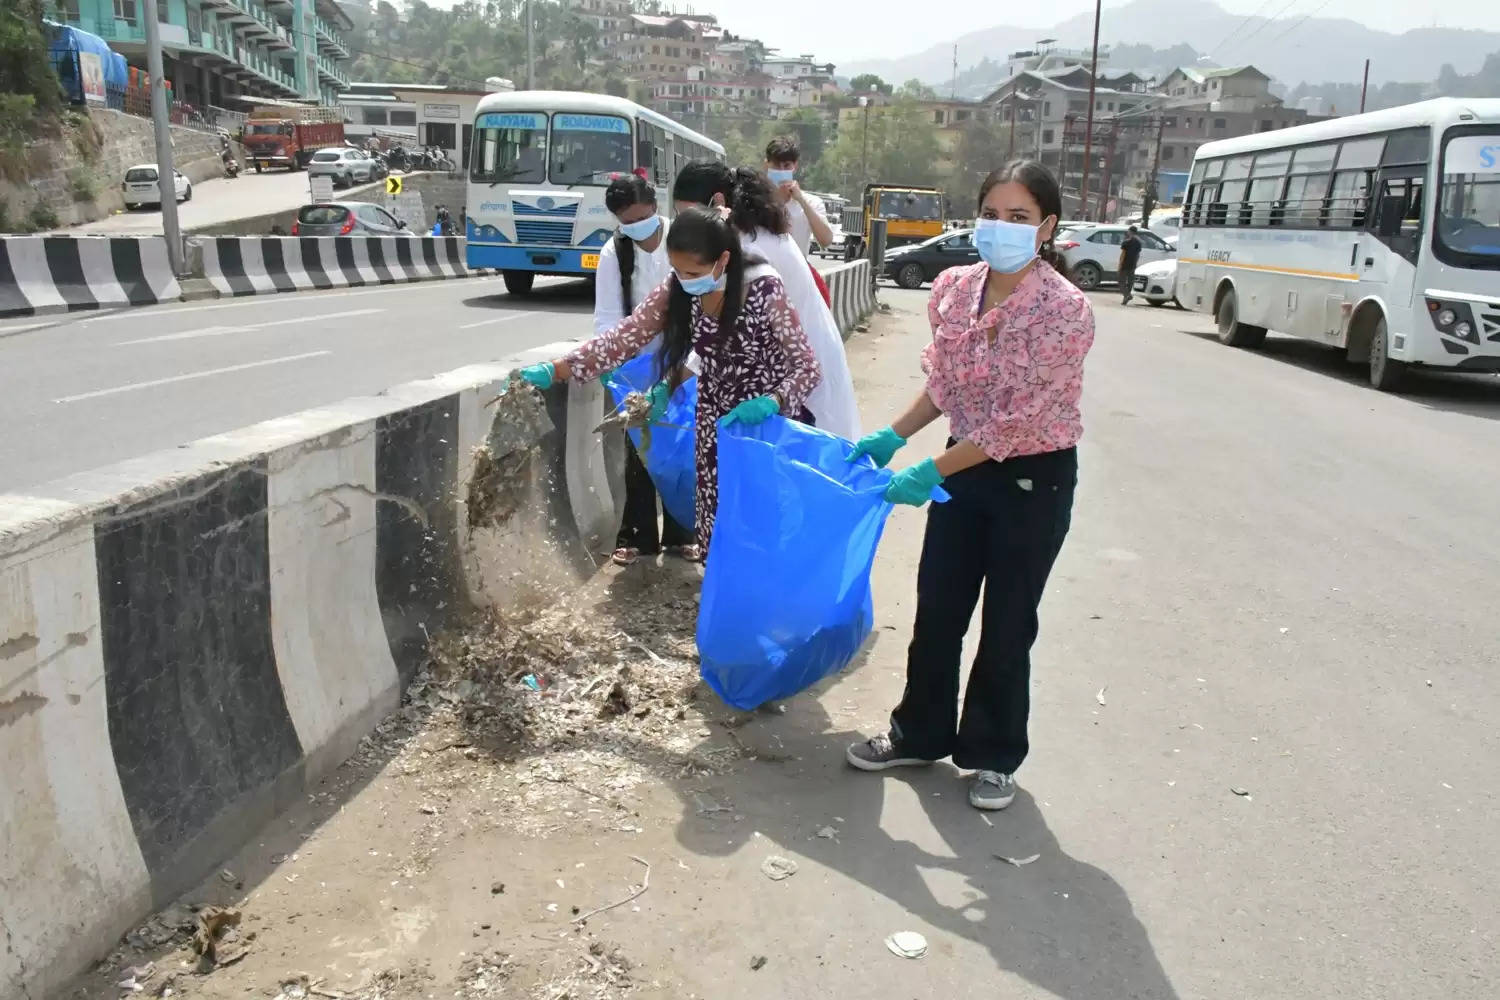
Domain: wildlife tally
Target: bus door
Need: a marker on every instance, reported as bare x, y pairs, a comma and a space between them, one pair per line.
1393, 240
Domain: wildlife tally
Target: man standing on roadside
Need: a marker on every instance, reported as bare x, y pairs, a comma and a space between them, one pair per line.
1130, 253
805, 212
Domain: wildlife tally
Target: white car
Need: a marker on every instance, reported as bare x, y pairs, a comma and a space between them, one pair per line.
346, 166
1093, 253
140, 188
1157, 283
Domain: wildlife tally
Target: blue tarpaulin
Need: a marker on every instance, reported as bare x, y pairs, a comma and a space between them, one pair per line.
66, 42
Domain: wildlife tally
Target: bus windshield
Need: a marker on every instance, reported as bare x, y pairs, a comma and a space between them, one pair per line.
1468, 224
510, 147
589, 149
914, 205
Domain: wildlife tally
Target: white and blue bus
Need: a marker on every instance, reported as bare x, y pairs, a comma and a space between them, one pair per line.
539, 164
1378, 234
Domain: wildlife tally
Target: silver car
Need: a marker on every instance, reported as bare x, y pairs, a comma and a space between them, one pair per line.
1093, 252
347, 218
346, 166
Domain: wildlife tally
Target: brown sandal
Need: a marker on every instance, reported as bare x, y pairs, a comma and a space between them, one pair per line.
687, 553
626, 556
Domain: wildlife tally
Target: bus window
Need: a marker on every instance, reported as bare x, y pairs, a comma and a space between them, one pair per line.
1468, 220
1232, 210
1407, 147
590, 149
1263, 205
509, 147
1361, 153
1304, 200
1348, 199
1398, 214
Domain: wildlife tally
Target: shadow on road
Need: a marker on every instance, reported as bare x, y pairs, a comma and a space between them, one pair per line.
563, 297
1473, 395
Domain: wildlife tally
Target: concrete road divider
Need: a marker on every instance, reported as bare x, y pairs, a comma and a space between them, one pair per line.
53, 274
189, 639
260, 265
852, 293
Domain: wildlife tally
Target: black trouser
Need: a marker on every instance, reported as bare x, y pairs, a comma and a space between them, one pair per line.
1002, 529
638, 529
1127, 283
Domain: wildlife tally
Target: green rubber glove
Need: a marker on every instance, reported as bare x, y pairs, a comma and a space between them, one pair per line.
658, 394
913, 486
880, 446
538, 375
752, 412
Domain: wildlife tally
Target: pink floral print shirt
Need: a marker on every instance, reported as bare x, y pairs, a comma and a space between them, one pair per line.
1009, 380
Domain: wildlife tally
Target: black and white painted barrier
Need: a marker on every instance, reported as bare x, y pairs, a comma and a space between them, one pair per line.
53, 274
261, 265
852, 293
189, 639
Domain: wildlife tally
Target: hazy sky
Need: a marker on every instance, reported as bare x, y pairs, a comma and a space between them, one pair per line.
844, 30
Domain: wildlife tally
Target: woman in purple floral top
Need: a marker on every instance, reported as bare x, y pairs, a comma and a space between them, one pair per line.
733, 313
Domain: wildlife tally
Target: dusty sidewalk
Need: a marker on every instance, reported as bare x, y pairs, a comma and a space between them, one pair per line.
454, 854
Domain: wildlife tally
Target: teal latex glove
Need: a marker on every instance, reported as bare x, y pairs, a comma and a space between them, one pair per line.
538, 375
880, 446
752, 412
913, 486
658, 394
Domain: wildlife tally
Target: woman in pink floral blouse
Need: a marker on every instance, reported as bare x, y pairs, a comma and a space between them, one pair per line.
1005, 366
730, 310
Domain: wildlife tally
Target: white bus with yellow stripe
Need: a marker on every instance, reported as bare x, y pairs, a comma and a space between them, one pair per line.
1376, 233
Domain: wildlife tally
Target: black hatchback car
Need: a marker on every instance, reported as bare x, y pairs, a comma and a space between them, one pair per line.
913, 266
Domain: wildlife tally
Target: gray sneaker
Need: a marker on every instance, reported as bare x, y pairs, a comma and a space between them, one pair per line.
878, 753
992, 790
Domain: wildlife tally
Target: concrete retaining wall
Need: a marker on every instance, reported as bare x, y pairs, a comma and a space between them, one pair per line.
189, 639
51, 274
252, 265
852, 292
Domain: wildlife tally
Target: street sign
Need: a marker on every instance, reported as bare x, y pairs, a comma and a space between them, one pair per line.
322, 188
393, 185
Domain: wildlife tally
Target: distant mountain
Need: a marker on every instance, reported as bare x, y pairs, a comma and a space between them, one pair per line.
1292, 50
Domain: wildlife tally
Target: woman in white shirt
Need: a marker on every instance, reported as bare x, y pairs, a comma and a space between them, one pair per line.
754, 210
631, 266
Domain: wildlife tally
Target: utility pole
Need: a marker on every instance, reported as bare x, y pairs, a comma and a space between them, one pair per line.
1109, 172
530, 45
1364, 87
1010, 150
954, 95
864, 155
1149, 202
166, 175
1088, 133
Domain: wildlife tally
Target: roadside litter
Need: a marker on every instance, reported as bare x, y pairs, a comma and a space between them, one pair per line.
907, 944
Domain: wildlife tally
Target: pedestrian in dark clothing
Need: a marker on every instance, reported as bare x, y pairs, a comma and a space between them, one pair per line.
1130, 255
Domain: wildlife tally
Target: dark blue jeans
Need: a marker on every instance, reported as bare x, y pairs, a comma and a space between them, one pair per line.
1001, 532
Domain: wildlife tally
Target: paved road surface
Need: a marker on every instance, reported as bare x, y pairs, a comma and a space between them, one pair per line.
216, 202
1278, 582
85, 390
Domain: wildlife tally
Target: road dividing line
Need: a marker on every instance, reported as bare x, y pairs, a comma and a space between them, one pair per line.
220, 331
189, 376
497, 319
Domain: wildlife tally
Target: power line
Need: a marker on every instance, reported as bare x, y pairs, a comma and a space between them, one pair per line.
1305, 18
1262, 25
1241, 26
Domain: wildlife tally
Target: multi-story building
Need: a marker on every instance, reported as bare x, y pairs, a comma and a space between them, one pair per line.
228, 53
609, 17
664, 46
691, 97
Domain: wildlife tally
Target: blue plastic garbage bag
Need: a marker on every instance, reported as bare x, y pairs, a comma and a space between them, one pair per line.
786, 593
670, 460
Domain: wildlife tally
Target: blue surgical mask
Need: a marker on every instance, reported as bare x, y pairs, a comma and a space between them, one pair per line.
1005, 246
643, 230
703, 284
781, 176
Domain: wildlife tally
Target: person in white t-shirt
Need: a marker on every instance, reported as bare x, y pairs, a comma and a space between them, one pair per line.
631, 266
805, 213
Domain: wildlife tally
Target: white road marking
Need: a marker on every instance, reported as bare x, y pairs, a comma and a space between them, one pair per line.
219, 331
189, 376
497, 319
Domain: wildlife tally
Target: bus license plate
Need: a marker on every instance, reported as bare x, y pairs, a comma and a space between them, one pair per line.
590, 262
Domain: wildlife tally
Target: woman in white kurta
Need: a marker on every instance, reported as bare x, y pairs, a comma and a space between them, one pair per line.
762, 223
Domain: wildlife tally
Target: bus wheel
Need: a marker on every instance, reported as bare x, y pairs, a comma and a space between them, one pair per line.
1386, 373
519, 282
1231, 330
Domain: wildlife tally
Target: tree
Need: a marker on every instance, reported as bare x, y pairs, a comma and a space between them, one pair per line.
896, 143
982, 147
869, 83
917, 90
25, 69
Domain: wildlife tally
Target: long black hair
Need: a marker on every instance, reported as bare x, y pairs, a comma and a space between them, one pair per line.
749, 196
704, 234
625, 192
1042, 186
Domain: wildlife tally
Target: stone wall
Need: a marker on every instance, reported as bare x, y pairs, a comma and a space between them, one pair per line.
77, 173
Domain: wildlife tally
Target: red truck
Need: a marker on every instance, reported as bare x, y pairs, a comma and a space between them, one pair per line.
289, 136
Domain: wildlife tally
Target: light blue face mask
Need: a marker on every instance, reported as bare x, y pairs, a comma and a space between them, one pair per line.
781, 176
704, 284
642, 230
1005, 246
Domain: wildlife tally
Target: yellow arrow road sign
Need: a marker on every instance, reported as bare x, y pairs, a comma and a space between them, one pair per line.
393, 185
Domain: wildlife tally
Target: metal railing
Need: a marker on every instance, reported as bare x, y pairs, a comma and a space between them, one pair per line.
329, 33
